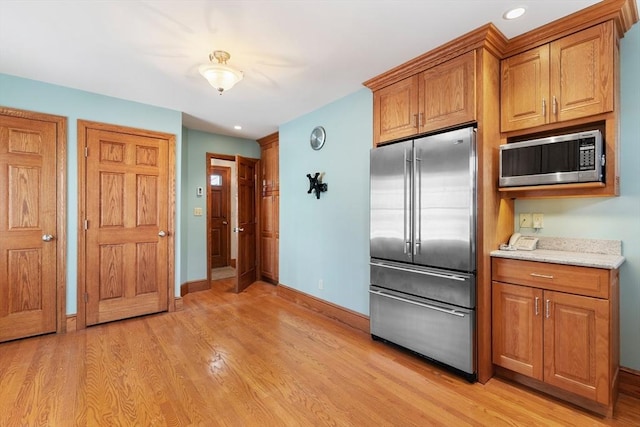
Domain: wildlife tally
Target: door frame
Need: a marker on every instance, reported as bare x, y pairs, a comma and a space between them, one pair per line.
83, 127
61, 206
208, 167
256, 194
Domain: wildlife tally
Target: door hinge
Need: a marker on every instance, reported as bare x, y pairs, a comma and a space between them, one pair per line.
86, 224
86, 297
86, 151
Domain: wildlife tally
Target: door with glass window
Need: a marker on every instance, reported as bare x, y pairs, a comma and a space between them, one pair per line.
219, 215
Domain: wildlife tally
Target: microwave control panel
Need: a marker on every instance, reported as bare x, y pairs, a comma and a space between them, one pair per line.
587, 154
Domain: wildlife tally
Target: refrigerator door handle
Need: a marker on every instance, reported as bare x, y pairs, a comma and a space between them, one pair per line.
407, 205
417, 199
426, 273
408, 301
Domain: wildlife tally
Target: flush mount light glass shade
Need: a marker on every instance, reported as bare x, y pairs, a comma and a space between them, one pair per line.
514, 13
219, 75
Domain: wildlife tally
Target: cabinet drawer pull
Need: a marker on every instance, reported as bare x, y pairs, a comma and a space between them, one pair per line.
544, 107
543, 276
537, 308
555, 106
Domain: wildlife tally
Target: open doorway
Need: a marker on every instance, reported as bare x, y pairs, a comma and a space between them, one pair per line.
222, 196
232, 200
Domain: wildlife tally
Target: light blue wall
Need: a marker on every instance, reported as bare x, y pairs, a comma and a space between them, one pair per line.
195, 147
75, 104
328, 239
615, 218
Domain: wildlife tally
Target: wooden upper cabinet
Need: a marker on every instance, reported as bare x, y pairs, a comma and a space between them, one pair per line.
447, 94
395, 111
270, 181
440, 97
569, 78
525, 89
582, 73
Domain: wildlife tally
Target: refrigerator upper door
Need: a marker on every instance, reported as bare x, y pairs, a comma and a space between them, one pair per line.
445, 200
391, 202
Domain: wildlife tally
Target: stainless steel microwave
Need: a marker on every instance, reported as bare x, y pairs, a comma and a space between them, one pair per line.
575, 157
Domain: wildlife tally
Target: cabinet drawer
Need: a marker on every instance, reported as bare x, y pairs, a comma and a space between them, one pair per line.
558, 277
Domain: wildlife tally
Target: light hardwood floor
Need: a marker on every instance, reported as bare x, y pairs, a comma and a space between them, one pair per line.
252, 359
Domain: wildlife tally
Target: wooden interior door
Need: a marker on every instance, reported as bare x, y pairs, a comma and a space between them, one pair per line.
126, 228
219, 215
246, 266
29, 156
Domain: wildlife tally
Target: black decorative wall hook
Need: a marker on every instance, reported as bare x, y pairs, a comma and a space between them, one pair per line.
315, 184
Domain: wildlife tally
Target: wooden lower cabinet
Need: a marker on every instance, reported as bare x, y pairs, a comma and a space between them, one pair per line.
562, 343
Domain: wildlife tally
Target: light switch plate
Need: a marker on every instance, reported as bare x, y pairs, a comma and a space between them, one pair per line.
525, 220
197, 211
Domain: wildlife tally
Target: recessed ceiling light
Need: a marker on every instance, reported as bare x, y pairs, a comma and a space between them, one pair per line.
237, 127
514, 13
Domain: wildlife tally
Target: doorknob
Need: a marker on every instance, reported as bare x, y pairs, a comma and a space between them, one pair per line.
162, 233
47, 237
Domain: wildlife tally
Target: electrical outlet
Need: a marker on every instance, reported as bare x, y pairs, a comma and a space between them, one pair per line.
197, 211
525, 220
320, 284
538, 220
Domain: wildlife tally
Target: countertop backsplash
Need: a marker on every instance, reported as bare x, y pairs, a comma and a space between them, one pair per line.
592, 246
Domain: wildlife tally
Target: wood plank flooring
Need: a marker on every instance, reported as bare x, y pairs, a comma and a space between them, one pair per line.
253, 359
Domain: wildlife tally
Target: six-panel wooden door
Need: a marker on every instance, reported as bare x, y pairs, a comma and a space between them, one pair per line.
29, 144
126, 224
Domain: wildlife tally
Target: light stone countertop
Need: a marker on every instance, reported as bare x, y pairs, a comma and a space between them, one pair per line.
581, 252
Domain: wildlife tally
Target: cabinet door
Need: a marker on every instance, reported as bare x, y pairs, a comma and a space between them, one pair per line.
395, 110
269, 168
268, 237
447, 94
582, 73
276, 243
517, 328
576, 337
525, 89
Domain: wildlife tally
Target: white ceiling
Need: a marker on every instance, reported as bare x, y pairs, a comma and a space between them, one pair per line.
297, 55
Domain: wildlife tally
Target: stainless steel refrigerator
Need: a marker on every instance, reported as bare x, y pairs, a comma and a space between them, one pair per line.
422, 247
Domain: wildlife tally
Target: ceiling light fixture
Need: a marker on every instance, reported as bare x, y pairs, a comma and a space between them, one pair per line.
514, 13
221, 76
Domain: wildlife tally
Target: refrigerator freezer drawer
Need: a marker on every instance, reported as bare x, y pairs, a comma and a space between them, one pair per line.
438, 331
441, 285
